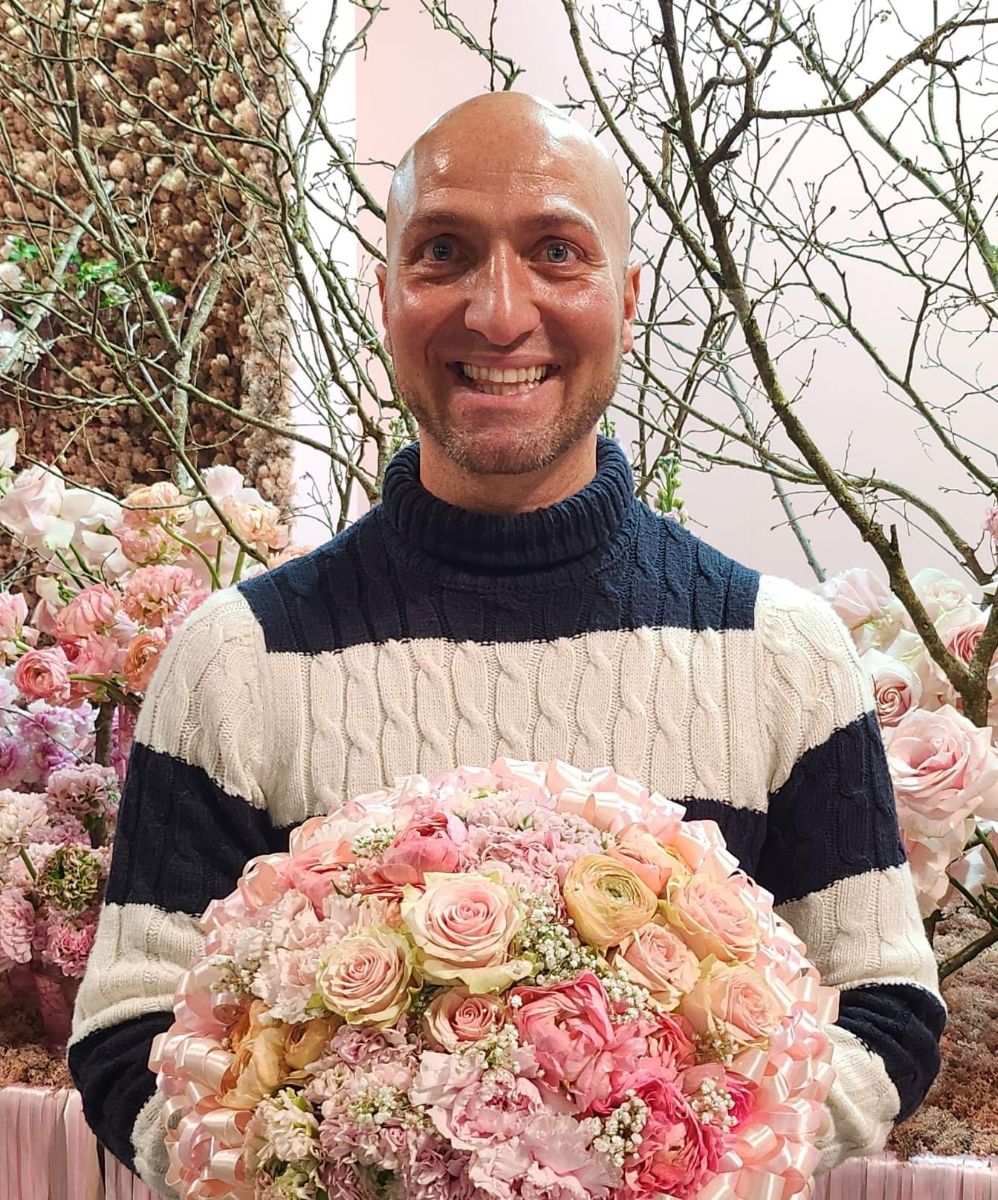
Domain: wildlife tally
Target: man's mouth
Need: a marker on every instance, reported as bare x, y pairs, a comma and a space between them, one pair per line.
501, 381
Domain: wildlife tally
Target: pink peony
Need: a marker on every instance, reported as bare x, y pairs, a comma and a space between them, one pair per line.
941, 764
44, 675
579, 1049
17, 921
90, 611
431, 843
896, 686
456, 1016
678, 1152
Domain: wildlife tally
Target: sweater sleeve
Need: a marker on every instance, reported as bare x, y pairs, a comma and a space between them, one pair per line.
192, 813
834, 861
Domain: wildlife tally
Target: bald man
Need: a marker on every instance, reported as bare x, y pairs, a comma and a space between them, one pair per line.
510, 596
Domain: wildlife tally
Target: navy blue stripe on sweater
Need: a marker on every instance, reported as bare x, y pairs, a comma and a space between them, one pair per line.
181, 840
110, 1068
833, 818
360, 588
903, 1024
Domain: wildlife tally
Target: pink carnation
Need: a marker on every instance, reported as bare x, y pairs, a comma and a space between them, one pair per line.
550, 1160
66, 945
17, 921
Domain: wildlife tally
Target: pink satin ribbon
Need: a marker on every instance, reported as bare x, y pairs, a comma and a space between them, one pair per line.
46, 1149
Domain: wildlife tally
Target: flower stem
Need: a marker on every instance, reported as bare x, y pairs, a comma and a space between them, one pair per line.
27, 862
967, 954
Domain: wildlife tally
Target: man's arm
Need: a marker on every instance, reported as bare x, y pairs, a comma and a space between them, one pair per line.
834, 862
192, 813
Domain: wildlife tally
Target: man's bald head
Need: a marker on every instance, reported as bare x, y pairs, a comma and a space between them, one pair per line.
511, 131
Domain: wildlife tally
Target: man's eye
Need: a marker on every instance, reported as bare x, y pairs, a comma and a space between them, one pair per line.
558, 252
440, 250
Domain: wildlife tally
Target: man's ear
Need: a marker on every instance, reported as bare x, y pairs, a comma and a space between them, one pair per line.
632, 286
381, 272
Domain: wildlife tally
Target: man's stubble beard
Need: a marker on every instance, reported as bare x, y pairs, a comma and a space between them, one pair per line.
522, 450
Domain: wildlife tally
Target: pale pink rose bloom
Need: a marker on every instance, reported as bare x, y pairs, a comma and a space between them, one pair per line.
13, 614
909, 650
655, 958
17, 923
940, 764
256, 521
865, 605
713, 917
153, 503
456, 1016
734, 1003
463, 925
961, 630
991, 521
44, 675
929, 859
975, 869
896, 686
653, 864
366, 977
286, 555
91, 610
578, 1047
8, 449
30, 508
939, 593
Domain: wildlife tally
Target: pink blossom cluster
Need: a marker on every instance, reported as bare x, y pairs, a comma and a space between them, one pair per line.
944, 768
119, 577
523, 982
54, 860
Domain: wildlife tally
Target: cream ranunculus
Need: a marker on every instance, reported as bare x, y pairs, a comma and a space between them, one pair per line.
366, 977
606, 900
463, 926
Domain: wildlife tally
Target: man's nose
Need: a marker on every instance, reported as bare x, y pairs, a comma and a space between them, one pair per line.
501, 307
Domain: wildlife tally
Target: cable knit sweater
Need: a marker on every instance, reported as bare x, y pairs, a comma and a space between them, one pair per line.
595, 631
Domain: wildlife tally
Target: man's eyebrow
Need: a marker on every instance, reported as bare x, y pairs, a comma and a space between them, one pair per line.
448, 219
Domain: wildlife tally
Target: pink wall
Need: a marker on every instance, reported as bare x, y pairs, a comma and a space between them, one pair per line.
411, 73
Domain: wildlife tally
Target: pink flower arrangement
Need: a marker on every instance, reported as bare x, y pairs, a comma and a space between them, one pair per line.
521, 982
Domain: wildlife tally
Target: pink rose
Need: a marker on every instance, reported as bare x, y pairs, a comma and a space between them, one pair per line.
678, 1151
44, 675
941, 764
733, 1006
256, 521
939, 592
870, 612
656, 959
430, 843
30, 507
961, 630
896, 686
155, 503
713, 917
463, 925
929, 859
90, 611
579, 1049
976, 869
456, 1016
653, 864
366, 977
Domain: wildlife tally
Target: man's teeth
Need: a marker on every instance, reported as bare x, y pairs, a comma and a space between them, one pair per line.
504, 381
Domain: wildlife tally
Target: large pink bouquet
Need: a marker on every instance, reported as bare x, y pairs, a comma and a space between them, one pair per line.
521, 981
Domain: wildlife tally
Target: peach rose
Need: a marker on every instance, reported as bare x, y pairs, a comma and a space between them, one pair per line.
652, 862
463, 926
457, 1016
367, 976
713, 918
655, 958
606, 900
733, 1007
44, 675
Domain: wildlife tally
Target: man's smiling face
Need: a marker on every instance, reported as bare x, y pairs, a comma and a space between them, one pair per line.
507, 298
